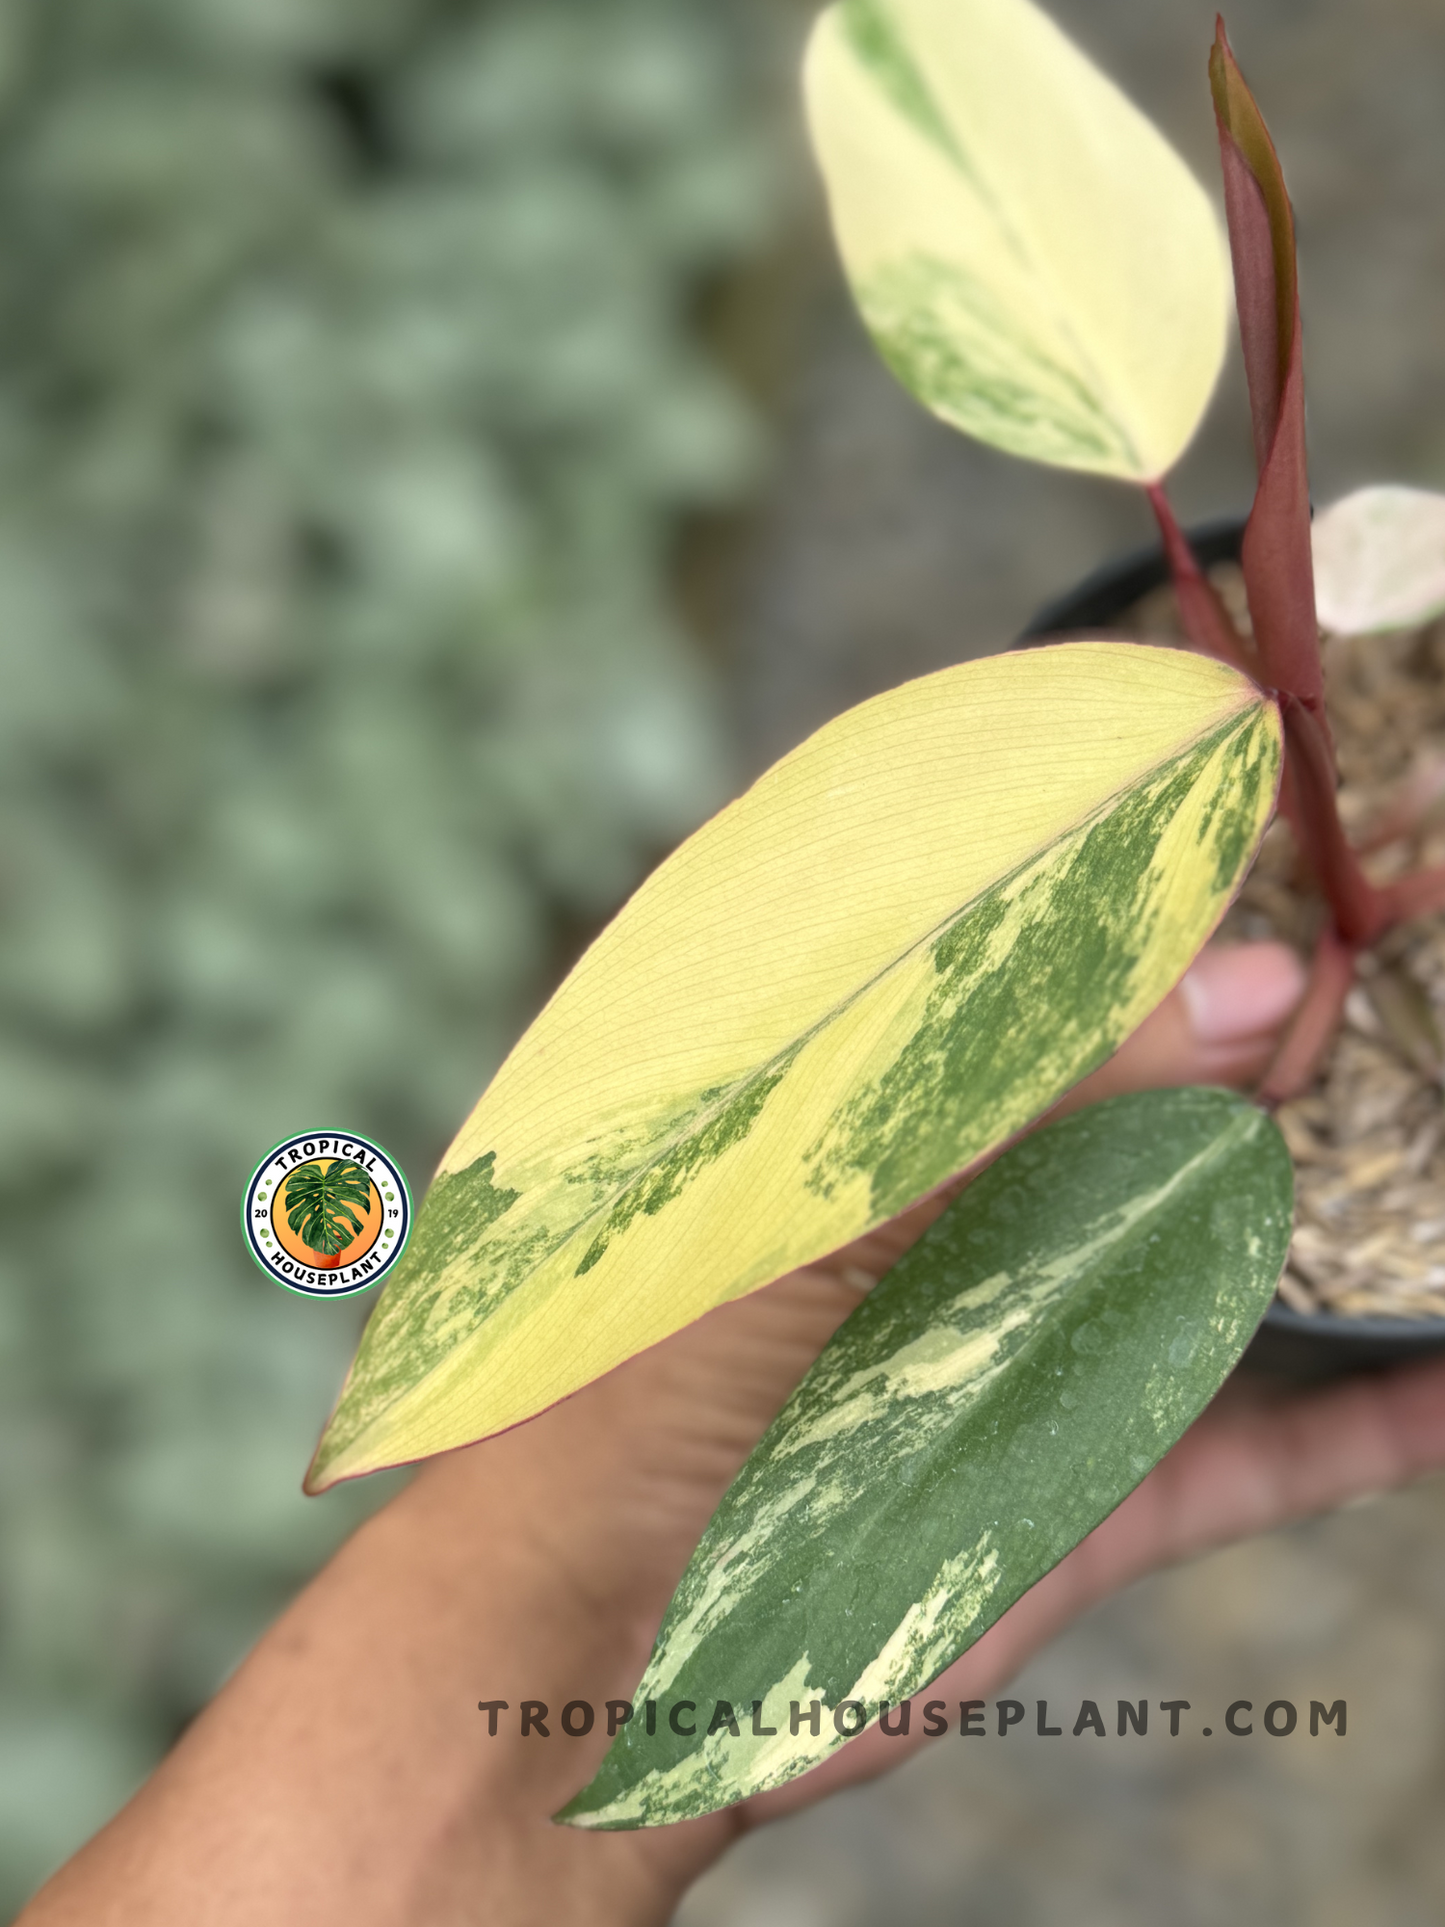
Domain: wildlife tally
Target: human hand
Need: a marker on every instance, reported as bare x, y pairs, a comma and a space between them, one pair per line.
344, 1775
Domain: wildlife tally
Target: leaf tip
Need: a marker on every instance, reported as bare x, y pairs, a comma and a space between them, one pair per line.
589, 1814
1223, 73
332, 1463
316, 1480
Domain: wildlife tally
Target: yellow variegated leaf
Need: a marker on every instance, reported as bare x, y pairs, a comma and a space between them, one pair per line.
903, 943
1031, 256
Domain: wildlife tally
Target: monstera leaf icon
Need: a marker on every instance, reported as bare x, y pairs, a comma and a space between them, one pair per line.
318, 1205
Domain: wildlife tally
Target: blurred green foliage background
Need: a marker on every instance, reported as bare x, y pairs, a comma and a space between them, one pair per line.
349, 402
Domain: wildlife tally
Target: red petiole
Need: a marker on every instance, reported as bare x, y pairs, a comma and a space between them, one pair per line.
1206, 621
1332, 972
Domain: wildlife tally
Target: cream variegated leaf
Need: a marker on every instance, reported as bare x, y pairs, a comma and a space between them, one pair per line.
1010, 1380
903, 943
1032, 258
1379, 558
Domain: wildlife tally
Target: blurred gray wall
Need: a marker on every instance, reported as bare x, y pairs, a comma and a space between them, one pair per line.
350, 405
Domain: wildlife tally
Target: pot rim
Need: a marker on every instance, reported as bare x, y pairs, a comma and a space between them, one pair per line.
1340, 1324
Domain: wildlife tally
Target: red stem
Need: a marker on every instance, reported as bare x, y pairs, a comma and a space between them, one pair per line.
1332, 972
1360, 910
1206, 620
1307, 796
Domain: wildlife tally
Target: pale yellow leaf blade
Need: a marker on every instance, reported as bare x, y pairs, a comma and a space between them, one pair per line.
1379, 558
1034, 260
905, 941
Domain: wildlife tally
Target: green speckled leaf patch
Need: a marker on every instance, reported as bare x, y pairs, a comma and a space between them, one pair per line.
1010, 1381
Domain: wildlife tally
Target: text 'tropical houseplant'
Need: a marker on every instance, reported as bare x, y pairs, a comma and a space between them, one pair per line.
909, 939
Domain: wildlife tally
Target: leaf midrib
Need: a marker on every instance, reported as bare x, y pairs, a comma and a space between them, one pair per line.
1200, 745
863, 1519
733, 1091
1204, 742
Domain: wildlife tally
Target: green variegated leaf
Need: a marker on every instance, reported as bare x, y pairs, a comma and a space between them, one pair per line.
1013, 1377
1033, 259
902, 944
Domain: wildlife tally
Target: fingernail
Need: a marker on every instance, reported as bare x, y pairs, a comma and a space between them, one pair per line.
1238, 990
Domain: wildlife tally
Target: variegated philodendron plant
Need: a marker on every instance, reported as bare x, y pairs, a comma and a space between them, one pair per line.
918, 930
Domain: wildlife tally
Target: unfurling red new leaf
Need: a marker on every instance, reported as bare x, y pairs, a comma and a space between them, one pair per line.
899, 947
1033, 259
1275, 552
1013, 1377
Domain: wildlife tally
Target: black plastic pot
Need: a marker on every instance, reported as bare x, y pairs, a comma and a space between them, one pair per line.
1289, 1343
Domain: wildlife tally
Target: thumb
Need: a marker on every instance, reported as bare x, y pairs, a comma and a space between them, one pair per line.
1220, 1025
